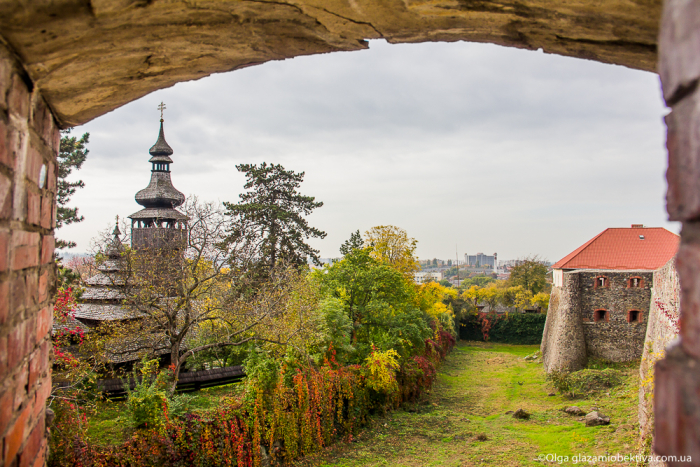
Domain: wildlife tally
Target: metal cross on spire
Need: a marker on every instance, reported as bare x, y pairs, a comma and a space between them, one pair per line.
161, 107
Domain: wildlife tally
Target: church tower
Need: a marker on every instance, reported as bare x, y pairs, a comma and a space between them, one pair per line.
159, 224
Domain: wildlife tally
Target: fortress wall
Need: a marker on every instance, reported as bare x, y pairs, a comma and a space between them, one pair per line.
572, 335
677, 378
662, 328
29, 143
615, 339
563, 345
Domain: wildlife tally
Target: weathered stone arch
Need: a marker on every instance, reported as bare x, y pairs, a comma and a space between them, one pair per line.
65, 62
90, 56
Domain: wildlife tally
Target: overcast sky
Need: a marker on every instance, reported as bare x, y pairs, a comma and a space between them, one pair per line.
468, 146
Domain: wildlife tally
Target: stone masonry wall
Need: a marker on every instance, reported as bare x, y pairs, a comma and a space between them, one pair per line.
677, 376
614, 339
662, 328
572, 335
29, 142
563, 343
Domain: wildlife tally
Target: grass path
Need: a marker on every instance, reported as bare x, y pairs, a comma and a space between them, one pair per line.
463, 422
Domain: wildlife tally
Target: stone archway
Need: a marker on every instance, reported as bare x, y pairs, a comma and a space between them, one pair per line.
90, 56
66, 62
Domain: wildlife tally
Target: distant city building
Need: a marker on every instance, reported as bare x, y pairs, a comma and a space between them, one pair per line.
432, 263
481, 260
423, 277
510, 263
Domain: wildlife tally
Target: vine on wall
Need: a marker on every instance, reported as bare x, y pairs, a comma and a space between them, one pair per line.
295, 417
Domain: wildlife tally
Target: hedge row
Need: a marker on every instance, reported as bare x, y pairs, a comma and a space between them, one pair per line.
305, 410
509, 328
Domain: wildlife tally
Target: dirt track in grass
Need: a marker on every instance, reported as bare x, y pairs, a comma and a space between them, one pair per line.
463, 422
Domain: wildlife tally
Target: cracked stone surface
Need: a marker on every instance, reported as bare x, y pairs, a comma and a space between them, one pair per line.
91, 56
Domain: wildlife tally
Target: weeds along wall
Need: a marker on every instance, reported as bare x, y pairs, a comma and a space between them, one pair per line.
303, 410
509, 328
663, 327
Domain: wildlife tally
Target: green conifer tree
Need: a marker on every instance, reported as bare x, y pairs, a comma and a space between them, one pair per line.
270, 215
71, 156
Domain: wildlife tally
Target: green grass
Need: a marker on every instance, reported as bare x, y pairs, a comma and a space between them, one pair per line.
477, 385
111, 422
463, 420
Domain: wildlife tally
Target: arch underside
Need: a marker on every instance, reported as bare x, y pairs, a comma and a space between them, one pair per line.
88, 57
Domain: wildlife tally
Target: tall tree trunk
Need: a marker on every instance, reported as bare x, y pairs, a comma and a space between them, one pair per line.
175, 360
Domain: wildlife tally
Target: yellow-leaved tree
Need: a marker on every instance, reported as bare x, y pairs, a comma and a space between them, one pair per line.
430, 298
541, 300
392, 245
473, 295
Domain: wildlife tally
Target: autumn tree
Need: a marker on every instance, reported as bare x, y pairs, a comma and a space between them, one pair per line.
77, 354
458, 303
492, 296
479, 281
530, 274
378, 299
473, 295
436, 301
270, 217
541, 301
509, 294
392, 245
180, 298
523, 298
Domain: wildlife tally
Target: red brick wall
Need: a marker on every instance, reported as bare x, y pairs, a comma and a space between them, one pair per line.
29, 139
677, 394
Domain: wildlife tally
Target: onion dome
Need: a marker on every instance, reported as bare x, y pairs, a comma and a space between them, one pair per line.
161, 150
159, 199
160, 194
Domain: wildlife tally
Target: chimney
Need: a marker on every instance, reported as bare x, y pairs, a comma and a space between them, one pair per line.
637, 226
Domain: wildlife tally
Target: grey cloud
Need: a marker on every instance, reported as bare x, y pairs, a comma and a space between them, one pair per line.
494, 149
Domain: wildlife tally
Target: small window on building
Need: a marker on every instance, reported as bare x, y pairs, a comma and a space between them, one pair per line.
601, 315
601, 281
635, 282
634, 316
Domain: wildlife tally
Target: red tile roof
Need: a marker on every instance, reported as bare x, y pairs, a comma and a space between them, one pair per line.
623, 248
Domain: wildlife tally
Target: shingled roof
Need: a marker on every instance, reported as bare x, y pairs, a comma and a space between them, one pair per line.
624, 248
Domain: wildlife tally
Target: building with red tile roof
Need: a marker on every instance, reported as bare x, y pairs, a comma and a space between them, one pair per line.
604, 296
637, 247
